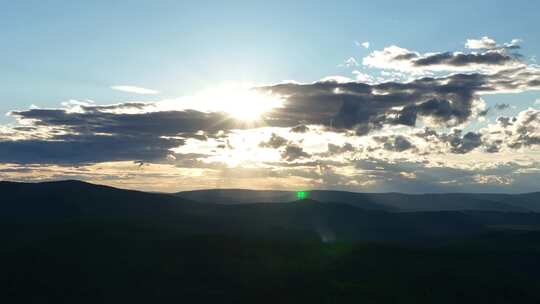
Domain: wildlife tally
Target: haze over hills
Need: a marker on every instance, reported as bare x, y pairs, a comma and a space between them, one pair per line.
529, 202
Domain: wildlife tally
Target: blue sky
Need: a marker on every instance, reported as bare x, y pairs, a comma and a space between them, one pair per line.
54, 51
173, 95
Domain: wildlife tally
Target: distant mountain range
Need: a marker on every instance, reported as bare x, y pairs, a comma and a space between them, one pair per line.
325, 215
529, 202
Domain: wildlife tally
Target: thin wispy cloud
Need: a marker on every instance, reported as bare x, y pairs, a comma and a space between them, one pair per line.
134, 89
364, 44
350, 62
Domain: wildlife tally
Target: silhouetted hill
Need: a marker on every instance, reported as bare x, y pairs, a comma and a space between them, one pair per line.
73, 242
76, 198
307, 218
379, 201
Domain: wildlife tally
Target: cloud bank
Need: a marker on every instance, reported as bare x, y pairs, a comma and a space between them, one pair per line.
412, 132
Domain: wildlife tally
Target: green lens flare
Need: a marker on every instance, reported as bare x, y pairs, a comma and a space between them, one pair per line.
301, 195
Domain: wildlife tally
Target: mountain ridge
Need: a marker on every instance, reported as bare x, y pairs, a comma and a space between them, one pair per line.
327, 220
391, 201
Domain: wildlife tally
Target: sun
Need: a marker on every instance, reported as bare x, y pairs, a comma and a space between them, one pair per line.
248, 105
240, 101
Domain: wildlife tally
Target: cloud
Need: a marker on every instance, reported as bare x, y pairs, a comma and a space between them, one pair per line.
134, 89
107, 120
463, 144
350, 62
459, 59
78, 150
501, 106
524, 131
392, 130
514, 44
336, 149
444, 101
106, 133
400, 59
293, 152
275, 142
300, 129
508, 133
398, 143
486, 43
149, 133
363, 77
482, 43
388, 175
364, 44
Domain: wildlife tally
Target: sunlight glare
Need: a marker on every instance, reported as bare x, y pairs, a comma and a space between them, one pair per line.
240, 101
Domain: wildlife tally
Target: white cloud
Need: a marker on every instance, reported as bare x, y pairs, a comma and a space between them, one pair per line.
134, 89
514, 43
337, 79
482, 43
537, 102
403, 60
486, 43
385, 59
363, 77
364, 44
350, 62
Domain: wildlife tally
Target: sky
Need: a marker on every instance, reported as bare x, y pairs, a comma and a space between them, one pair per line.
369, 96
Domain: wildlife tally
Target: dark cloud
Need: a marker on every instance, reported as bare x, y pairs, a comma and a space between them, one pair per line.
489, 56
275, 142
494, 146
86, 149
406, 57
165, 123
505, 121
115, 107
336, 149
501, 106
398, 143
463, 144
496, 107
458, 143
441, 110
293, 152
447, 101
366, 107
460, 59
300, 129
97, 135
